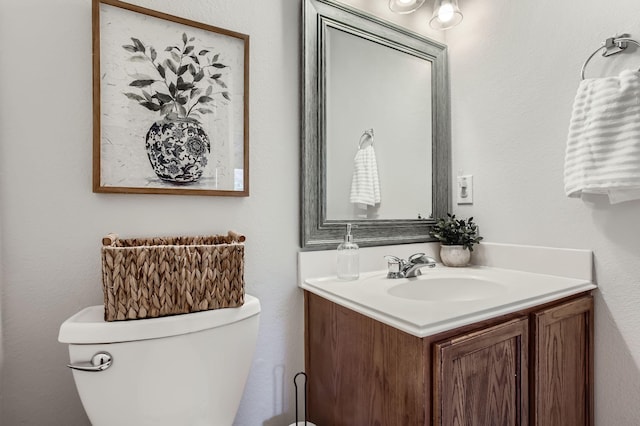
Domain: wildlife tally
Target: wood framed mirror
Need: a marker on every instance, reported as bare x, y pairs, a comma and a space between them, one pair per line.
368, 82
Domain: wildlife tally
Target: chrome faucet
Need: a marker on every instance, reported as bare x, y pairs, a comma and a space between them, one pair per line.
400, 268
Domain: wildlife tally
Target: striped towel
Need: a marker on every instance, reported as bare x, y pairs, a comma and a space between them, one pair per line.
365, 184
603, 146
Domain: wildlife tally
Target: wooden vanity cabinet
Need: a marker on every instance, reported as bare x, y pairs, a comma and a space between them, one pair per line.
361, 371
533, 367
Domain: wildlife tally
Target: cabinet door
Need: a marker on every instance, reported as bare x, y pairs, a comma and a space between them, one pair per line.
563, 357
481, 378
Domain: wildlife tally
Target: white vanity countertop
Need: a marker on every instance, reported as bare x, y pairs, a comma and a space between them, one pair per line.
502, 291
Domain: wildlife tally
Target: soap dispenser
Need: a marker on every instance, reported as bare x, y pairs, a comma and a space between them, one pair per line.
348, 258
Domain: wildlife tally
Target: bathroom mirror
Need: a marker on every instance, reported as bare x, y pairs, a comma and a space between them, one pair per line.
371, 90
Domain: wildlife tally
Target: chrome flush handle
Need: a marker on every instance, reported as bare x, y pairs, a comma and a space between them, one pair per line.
99, 362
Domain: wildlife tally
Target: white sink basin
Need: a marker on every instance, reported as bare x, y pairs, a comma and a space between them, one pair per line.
444, 298
449, 289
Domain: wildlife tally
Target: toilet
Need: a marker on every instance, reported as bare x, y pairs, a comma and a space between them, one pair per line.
187, 370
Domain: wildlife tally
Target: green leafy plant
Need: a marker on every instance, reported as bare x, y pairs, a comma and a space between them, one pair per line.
182, 85
456, 232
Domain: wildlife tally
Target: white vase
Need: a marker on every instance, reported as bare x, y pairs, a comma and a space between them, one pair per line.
455, 255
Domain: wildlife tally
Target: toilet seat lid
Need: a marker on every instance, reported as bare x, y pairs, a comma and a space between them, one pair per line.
89, 327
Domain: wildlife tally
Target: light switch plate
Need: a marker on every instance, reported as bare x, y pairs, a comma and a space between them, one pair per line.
464, 190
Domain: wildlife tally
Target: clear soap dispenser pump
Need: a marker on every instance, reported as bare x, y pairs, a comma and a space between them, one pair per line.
348, 258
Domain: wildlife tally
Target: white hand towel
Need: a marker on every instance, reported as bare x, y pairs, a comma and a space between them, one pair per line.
365, 184
603, 146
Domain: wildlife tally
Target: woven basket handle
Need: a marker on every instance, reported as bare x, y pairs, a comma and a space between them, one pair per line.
109, 239
236, 237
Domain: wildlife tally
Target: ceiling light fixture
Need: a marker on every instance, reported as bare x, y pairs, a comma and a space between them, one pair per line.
405, 6
446, 14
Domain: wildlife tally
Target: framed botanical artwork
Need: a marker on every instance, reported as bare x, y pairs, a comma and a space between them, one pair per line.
170, 104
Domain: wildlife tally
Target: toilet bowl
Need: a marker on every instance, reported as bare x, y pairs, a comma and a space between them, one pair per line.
187, 370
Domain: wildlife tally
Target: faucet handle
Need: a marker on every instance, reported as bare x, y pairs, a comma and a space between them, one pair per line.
395, 265
394, 262
422, 259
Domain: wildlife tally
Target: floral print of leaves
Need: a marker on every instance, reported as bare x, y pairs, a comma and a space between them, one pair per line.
182, 77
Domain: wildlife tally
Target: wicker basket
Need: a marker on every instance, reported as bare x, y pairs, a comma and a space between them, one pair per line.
154, 277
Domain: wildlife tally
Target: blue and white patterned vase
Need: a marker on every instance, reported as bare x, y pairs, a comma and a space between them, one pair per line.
178, 150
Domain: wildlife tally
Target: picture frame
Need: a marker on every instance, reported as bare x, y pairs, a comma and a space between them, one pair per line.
170, 104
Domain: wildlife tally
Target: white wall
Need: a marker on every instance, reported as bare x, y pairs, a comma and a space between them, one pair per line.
515, 67
52, 223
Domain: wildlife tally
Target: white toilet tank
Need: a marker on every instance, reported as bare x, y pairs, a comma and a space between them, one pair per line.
182, 370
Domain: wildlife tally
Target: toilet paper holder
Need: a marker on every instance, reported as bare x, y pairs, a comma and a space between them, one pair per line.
295, 384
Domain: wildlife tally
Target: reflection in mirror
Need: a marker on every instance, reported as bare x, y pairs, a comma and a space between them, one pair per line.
376, 129
374, 86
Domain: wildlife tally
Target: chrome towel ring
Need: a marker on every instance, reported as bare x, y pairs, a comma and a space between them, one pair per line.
609, 47
367, 136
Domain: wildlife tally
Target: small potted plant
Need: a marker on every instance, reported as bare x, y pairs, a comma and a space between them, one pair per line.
179, 86
457, 237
